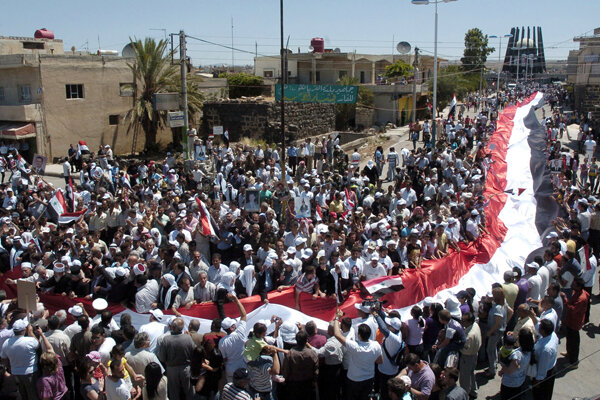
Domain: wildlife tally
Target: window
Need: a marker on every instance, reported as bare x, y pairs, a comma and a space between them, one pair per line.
362, 77
126, 89
342, 74
1, 95
33, 45
113, 119
318, 76
74, 91
268, 73
24, 93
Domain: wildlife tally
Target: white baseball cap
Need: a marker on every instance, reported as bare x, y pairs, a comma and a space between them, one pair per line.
157, 314
76, 311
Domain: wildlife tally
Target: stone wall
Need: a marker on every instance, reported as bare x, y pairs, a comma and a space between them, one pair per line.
587, 98
259, 119
364, 117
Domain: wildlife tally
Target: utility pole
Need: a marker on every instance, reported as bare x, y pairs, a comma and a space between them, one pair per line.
415, 76
283, 80
232, 51
184, 101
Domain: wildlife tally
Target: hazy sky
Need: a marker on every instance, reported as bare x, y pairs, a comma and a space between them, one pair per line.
365, 26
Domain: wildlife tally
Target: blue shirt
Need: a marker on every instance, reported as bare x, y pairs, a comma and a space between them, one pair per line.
292, 151
546, 351
517, 378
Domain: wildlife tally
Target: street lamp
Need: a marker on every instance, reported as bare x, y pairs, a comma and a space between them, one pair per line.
518, 49
435, 66
500, 63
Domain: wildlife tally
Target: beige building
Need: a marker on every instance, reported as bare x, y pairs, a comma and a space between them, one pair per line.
583, 72
329, 67
52, 99
26, 45
393, 98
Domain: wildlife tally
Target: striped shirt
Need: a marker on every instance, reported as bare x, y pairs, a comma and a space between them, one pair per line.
259, 374
232, 392
303, 284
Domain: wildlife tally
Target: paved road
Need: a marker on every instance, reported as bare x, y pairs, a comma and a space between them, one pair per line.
582, 382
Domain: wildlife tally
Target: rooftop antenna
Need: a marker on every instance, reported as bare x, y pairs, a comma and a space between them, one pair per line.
164, 31
232, 51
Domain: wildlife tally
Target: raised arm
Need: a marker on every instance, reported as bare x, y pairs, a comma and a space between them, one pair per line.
239, 305
336, 327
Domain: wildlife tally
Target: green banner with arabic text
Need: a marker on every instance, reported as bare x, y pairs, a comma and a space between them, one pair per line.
333, 94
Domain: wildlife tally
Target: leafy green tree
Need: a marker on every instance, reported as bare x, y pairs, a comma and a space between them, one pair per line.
476, 50
399, 69
452, 80
243, 84
346, 113
153, 73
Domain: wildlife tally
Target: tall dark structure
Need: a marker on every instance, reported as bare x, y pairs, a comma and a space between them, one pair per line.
525, 52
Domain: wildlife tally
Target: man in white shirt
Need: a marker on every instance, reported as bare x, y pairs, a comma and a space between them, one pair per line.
117, 388
21, 351
232, 345
147, 292
374, 269
102, 344
155, 328
584, 217
408, 194
216, 269
534, 281
590, 147
472, 228
363, 354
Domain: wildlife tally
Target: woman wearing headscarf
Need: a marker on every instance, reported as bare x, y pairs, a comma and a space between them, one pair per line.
246, 282
341, 280
225, 286
167, 292
220, 182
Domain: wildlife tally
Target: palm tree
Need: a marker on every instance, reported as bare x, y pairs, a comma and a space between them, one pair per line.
152, 73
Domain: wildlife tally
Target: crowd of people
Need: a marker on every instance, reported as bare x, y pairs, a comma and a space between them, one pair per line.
159, 237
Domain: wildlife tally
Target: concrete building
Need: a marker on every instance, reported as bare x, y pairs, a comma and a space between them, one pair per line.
583, 72
51, 99
27, 45
393, 98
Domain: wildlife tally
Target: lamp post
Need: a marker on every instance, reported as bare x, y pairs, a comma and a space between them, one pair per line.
500, 63
518, 60
283, 53
435, 66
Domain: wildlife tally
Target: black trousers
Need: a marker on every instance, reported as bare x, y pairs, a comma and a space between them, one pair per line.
358, 390
303, 390
511, 393
293, 161
542, 390
383, 380
573, 340
329, 381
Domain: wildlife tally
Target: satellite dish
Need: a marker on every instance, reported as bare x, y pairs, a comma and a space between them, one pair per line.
403, 47
128, 51
337, 50
310, 48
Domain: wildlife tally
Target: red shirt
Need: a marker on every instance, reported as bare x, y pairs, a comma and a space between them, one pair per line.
576, 308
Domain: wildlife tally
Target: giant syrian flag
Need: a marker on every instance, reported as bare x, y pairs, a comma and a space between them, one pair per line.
518, 211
